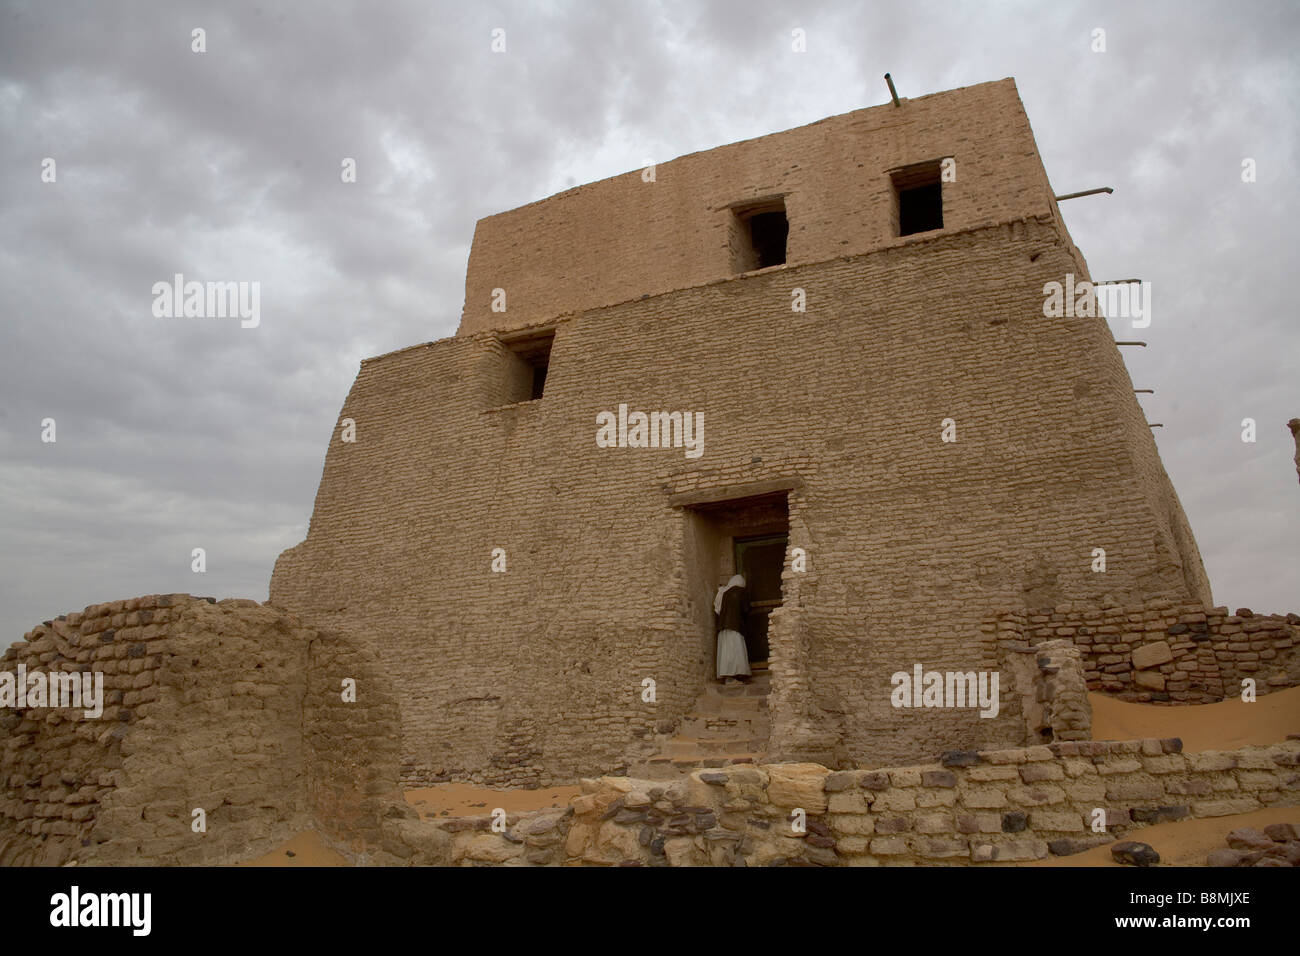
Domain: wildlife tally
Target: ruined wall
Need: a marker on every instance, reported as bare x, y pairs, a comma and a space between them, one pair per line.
622, 238
535, 675
203, 708
1049, 690
352, 747
970, 808
1161, 652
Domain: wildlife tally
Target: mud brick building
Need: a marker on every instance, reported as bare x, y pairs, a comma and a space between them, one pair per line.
676, 292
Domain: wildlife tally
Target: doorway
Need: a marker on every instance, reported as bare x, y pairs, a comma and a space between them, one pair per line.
760, 560
743, 535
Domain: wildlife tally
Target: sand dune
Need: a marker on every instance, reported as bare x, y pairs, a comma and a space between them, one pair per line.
1226, 725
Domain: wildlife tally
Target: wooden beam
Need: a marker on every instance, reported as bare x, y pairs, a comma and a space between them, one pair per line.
1087, 192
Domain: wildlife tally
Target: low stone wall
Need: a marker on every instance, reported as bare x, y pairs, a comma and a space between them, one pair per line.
1166, 653
971, 808
228, 707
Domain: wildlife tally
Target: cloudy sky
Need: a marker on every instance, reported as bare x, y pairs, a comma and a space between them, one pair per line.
225, 164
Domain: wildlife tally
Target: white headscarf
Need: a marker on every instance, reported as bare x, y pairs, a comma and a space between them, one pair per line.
736, 582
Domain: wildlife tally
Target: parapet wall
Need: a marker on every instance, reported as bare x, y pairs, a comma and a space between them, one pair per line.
969, 808
1163, 652
222, 706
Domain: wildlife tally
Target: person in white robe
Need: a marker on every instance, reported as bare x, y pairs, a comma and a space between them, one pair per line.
730, 605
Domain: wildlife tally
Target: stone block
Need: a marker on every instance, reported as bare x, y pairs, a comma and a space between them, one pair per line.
797, 785
1152, 655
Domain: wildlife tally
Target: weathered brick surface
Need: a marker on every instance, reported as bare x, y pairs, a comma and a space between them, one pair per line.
229, 706
1049, 689
535, 676
621, 238
1162, 651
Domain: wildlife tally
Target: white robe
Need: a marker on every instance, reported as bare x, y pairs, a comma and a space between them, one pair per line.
733, 655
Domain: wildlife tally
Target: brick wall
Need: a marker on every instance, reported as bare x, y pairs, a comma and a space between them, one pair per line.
223, 706
622, 238
1163, 652
534, 676
1049, 690
352, 748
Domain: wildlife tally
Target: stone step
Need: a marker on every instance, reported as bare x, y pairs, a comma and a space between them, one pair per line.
729, 705
698, 747
760, 686
714, 726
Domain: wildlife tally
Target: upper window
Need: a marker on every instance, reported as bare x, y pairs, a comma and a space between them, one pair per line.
759, 235
530, 358
918, 194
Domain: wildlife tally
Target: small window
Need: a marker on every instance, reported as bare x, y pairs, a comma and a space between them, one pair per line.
759, 233
530, 358
918, 195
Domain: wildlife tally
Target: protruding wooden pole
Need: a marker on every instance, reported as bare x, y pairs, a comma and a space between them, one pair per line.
892, 92
1086, 192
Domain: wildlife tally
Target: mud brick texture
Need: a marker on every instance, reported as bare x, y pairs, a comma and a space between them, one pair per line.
535, 675
229, 707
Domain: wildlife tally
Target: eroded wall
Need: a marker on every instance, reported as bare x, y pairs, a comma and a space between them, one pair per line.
229, 707
1164, 652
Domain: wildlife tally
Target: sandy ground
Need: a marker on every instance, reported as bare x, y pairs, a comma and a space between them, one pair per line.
306, 849
467, 800
1227, 725
1184, 843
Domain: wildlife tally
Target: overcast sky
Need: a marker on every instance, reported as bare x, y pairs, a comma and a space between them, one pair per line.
177, 434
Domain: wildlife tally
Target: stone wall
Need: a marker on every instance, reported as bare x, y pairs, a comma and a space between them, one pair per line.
1162, 652
1049, 691
220, 706
990, 807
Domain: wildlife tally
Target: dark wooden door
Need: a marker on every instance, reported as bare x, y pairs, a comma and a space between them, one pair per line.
761, 561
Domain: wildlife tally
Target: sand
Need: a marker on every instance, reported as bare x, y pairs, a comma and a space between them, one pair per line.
1184, 843
443, 800
467, 800
306, 849
1226, 725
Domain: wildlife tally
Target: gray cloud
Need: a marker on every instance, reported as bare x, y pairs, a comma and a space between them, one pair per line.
226, 165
